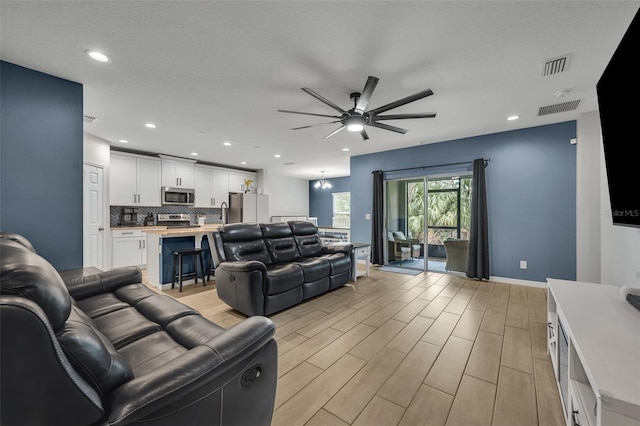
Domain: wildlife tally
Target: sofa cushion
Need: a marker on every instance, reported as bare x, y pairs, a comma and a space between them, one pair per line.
151, 352
243, 241
91, 353
283, 277
124, 326
25, 273
307, 238
101, 304
280, 242
339, 262
314, 268
309, 245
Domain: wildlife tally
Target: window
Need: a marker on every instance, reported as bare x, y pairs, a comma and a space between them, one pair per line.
341, 210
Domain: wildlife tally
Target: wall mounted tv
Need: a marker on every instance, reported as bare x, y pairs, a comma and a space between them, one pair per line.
618, 92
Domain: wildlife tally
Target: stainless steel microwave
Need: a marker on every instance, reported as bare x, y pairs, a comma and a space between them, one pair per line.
178, 196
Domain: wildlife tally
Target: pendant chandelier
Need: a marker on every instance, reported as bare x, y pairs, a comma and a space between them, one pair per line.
322, 182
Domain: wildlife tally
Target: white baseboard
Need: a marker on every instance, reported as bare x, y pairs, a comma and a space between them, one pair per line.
516, 281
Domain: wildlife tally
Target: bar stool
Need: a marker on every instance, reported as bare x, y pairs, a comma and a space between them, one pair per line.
178, 258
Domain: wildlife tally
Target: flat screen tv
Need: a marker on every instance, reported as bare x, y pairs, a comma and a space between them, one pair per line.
618, 101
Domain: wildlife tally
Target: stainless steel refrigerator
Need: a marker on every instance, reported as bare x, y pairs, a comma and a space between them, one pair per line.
248, 208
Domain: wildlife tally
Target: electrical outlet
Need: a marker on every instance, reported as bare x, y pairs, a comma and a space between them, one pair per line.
523, 264
367, 216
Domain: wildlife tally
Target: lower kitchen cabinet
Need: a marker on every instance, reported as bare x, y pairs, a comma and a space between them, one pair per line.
129, 248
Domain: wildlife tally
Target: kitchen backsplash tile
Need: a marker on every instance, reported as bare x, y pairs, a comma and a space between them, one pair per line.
211, 215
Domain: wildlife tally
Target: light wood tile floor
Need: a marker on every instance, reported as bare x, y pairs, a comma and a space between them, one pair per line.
395, 349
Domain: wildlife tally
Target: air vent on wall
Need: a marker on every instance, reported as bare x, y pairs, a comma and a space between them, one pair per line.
89, 119
563, 107
555, 65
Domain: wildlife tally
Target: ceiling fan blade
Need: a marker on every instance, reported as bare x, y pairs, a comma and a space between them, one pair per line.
403, 101
369, 86
323, 99
404, 116
335, 131
308, 113
364, 135
387, 127
314, 125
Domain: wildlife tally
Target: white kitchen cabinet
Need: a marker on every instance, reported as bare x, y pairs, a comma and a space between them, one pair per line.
129, 248
178, 173
211, 186
237, 178
134, 180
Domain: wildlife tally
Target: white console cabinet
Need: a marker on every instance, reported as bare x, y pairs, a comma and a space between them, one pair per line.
594, 344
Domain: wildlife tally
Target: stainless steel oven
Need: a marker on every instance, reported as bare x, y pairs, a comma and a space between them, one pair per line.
178, 196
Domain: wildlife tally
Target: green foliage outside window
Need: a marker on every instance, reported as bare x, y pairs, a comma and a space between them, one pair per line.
442, 208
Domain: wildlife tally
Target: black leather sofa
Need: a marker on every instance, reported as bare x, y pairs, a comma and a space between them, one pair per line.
264, 268
100, 348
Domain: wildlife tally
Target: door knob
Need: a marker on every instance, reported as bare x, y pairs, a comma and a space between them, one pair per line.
101, 229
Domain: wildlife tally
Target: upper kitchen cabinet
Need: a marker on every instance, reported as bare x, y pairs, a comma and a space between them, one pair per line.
178, 172
237, 179
211, 186
134, 180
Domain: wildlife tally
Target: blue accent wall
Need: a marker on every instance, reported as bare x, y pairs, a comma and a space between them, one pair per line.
41, 157
321, 201
531, 195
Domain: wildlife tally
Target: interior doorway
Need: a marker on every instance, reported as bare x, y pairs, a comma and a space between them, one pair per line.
93, 216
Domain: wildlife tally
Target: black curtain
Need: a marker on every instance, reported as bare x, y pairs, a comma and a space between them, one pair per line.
377, 221
478, 262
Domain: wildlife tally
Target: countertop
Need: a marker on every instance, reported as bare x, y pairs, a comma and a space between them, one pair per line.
141, 227
164, 231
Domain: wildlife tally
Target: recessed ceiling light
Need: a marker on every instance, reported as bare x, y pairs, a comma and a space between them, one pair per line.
243, 162
150, 125
277, 155
195, 154
98, 56
513, 117
227, 144
345, 149
123, 141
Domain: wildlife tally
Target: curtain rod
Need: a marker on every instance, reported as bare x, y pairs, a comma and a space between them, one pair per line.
486, 160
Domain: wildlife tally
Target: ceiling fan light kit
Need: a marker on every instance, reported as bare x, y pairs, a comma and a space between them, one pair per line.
358, 117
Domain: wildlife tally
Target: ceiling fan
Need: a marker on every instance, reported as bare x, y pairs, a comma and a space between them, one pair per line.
357, 117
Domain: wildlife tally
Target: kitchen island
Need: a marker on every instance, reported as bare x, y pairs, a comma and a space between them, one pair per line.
162, 242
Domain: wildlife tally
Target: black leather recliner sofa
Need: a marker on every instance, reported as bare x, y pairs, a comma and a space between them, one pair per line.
103, 349
264, 268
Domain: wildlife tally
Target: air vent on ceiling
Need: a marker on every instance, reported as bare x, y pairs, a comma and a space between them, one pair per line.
563, 107
555, 65
89, 119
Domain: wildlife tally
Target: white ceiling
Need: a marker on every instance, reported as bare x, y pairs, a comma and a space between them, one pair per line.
215, 71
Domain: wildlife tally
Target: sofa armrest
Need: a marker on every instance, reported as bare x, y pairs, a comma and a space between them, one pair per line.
230, 379
242, 285
243, 266
81, 286
338, 248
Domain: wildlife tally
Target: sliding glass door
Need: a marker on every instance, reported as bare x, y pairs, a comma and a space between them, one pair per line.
421, 213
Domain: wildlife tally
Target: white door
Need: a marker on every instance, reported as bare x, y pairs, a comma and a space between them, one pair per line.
93, 250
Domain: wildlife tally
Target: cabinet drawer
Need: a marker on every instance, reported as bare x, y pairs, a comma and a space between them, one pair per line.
126, 233
362, 251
